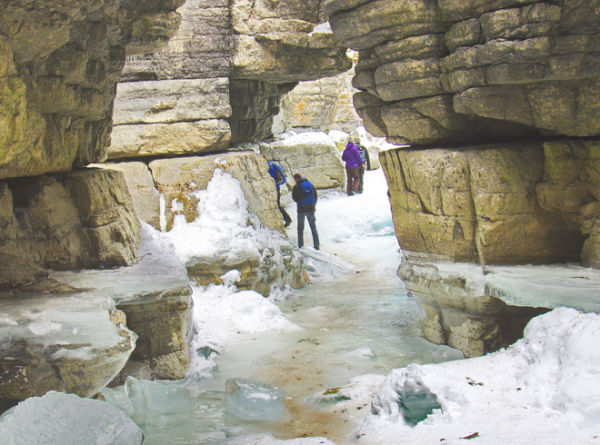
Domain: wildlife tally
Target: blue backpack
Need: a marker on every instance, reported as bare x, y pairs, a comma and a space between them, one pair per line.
279, 173
308, 193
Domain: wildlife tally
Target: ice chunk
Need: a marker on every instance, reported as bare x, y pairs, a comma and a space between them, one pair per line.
365, 353
253, 400
324, 266
156, 402
443, 353
118, 397
417, 404
65, 419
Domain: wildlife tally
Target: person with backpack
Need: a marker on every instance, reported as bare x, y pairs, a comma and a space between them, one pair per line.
366, 163
278, 175
351, 156
305, 196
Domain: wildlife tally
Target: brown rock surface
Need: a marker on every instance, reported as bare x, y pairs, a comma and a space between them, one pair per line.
59, 64
83, 219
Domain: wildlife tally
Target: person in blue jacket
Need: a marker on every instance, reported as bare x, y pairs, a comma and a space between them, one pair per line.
351, 156
305, 196
278, 175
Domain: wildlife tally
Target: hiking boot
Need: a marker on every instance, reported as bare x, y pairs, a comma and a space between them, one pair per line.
287, 223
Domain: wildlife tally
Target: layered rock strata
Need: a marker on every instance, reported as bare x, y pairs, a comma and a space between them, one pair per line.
440, 72
313, 154
83, 219
323, 104
496, 100
219, 80
59, 64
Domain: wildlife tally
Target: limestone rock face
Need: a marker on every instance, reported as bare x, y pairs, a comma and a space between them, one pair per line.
67, 343
444, 71
314, 155
499, 205
220, 78
177, 179
59, 64
323, 104
83, 219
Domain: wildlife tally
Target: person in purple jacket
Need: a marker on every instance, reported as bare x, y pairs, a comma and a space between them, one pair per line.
351, 156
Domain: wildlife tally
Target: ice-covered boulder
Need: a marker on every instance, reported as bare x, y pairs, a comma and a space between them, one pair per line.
156, 297
253, 400
65, 342
65, 419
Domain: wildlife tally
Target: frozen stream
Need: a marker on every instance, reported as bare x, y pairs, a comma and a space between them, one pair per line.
355, 320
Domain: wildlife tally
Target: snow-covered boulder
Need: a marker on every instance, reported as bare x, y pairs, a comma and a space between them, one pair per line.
65, 419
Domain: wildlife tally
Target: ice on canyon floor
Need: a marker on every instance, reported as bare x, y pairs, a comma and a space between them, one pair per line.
60, 333
157, 272
268, 439
545, 388
151, 403
222, 314
253, 400
65, 419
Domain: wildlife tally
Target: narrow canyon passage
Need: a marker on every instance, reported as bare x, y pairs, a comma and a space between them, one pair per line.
355, 321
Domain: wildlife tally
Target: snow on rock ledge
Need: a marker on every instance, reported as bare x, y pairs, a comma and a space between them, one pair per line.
66, 342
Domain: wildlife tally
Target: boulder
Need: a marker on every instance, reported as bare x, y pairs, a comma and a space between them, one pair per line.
155, 296
60, 342
493, 204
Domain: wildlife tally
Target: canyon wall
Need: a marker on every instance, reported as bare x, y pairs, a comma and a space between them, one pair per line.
497, 102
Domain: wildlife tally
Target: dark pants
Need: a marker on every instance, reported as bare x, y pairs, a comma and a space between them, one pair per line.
353, 180
312, 222
362, 179
285, 215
